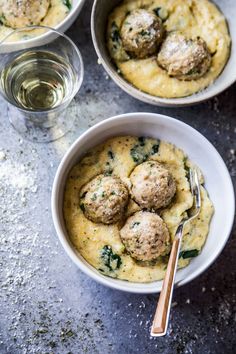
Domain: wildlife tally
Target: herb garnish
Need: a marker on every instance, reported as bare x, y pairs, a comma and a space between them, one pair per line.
136, 223
155, 149
145, 33
188, 254
94, 197
115, 34
141, 140
82, 207
111, 154
84, 194
111, 260
67, 3
187, 169
2, 19
157, 10
139, 155
193, 71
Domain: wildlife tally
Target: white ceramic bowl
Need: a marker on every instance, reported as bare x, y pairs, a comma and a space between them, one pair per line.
100, 12
44, 38
199, 150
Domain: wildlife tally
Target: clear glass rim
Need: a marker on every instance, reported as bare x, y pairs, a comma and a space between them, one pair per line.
64, 104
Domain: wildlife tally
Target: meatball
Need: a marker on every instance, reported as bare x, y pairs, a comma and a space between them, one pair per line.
153, 186
183, 58
145, 236
141, 33
22, 13
104, 199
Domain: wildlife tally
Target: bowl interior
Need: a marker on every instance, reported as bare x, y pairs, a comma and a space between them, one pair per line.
101, 10
199, 150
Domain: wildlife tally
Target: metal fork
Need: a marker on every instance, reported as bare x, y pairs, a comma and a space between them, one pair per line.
161, 318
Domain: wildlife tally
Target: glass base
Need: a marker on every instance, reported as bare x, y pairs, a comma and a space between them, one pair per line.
46, 127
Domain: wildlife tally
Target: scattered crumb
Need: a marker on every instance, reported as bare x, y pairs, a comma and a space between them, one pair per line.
2, 156
216, 104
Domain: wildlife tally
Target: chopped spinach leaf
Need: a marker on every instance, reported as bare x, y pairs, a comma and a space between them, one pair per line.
108, 172
136, 223
67, 3
141, 140
2, 19
188, 254
137, 154
187, 169
111, 260
94, 197
145, 33
82, 207
157, 10
115, 34
193, 71
84, 194
111, 154
155, 149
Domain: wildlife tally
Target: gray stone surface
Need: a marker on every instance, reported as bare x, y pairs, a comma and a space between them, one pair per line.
46, 304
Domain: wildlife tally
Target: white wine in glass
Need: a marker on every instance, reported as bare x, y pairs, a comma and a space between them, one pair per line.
39, 78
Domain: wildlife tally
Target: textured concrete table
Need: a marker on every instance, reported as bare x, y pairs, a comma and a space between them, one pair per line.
46, 304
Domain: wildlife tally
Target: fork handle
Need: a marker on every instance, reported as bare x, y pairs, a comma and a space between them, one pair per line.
161, 317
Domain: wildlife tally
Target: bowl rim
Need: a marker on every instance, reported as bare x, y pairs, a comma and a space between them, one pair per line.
75, 7
196, 98
104, 280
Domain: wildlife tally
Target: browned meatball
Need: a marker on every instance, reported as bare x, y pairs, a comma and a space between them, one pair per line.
183, 58
22, 13
153, 186
145, 236
141, 33
104, 199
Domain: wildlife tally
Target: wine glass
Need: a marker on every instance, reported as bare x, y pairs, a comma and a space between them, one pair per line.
41, 70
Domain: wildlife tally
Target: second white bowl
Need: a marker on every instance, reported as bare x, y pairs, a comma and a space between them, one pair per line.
100, 12
198, 148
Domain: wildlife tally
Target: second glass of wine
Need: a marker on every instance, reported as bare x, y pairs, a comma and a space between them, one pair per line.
41, 70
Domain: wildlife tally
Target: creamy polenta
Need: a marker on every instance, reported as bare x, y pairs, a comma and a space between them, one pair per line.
100, 244
193, 19
56, 12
